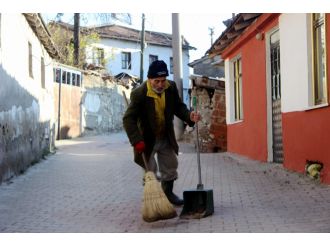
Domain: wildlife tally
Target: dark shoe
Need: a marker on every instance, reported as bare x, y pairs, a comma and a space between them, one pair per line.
168, 190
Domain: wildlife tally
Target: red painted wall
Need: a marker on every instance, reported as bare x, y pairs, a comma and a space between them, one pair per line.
249, 137
306, 134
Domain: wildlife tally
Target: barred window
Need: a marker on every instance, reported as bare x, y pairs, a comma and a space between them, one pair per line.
237, 70
319, 59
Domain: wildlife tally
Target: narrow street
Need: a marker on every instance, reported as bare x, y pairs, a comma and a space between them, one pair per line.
92, 185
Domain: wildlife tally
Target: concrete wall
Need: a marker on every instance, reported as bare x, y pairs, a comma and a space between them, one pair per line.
103, 105
26, 108
306, 128
296, 60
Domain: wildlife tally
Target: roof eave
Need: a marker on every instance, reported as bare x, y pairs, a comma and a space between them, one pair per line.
39, 28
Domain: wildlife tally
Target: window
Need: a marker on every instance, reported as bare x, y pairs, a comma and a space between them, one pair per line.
42, 69
78, 80
319, 59
73, 79
68, 78
237, 69
98, 56
63, 76
126, 60
152, 58
30, 61
171, 65
57, 75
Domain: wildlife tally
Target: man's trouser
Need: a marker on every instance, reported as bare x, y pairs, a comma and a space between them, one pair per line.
167, 161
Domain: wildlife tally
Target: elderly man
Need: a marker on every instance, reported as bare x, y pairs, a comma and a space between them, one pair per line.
148, 122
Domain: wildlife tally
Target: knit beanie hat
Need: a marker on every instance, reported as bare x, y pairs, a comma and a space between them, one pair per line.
157, 68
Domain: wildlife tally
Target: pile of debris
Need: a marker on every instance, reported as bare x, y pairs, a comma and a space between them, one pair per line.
210, 94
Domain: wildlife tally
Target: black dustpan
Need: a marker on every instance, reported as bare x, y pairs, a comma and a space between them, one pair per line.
198, 203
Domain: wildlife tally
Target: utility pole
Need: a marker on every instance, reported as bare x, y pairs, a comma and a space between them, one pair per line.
177, 67
142, 48
211, 29
76, 39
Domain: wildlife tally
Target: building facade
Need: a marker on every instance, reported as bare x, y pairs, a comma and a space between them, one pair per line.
119, 51
277, 88
26, 95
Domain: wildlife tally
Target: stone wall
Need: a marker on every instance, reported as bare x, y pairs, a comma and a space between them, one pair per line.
103, 105
211, 104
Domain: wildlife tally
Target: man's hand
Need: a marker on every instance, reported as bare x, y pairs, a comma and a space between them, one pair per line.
195, 116
139, 146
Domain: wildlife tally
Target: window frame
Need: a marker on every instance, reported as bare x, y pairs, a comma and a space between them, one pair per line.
171, 65
237, 88
42, 73
98, 56
30, 63
126, 60
319, 85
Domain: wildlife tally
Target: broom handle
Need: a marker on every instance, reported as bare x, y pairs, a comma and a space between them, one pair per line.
145, 161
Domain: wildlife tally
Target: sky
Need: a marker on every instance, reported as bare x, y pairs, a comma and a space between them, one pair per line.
196, 16
193, 26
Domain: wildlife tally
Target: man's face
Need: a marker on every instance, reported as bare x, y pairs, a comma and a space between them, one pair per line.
158, 84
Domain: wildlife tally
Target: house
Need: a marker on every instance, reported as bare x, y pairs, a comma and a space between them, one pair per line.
26, 95
118, 50
208, 66
277, 88
87, 100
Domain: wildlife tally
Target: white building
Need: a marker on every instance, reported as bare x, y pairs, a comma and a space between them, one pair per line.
26, 92
119, 51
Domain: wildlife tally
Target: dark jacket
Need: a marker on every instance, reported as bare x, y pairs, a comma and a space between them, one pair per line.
139, 118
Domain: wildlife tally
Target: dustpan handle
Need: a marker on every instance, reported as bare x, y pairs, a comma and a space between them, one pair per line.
199, 185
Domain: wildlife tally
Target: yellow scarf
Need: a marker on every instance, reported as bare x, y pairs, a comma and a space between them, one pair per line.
159, 108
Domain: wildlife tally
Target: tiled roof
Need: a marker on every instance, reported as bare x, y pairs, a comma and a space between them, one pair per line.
114, 31
236, 26
39, 28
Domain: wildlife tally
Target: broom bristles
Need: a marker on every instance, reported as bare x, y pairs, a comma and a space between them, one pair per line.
156, 206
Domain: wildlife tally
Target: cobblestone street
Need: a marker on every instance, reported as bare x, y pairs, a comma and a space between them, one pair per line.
92, 185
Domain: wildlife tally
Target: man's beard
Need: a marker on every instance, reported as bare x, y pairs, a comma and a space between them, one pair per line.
158, 91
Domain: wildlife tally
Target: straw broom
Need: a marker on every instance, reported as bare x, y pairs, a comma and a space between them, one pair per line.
155, 206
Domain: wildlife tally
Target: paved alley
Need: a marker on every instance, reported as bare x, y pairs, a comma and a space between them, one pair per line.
92, 185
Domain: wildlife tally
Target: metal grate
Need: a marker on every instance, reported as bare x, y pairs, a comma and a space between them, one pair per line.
276, 103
